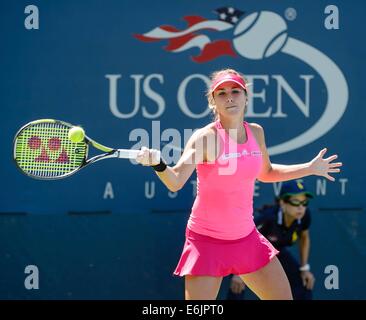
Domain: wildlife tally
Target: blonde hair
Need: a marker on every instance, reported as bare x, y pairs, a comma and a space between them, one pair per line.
209, 94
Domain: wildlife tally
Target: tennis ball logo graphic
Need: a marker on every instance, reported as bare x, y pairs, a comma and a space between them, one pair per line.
260, 35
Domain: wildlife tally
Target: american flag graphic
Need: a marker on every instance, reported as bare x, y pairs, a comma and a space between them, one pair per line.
192, 36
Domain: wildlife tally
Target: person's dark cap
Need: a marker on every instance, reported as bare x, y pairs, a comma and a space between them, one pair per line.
294, 187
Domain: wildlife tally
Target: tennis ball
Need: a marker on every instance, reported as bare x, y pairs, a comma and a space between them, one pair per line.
260, 35
76, 134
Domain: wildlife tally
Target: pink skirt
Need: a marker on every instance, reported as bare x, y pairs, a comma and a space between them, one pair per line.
207, 256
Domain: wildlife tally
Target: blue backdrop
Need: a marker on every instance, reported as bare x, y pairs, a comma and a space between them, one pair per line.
135, 72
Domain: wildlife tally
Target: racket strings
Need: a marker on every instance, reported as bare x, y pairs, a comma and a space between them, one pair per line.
44, 150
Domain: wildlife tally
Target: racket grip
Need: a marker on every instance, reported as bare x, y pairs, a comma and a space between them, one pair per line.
132, 154
156, 154
127, 153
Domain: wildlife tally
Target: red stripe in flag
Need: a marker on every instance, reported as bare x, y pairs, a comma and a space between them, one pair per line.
169, 28
142, 38
176, 43
192, 20
213, 50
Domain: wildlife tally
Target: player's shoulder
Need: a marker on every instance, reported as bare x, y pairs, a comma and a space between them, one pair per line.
200, 135
206, 131
255, 127
257, 131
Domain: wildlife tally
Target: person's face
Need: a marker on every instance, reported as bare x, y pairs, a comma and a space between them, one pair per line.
295, 206
230, 99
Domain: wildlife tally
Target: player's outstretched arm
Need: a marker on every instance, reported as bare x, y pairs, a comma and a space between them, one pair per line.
175, 177
318, 166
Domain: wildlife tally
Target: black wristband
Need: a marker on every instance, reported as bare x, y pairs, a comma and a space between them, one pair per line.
160, 167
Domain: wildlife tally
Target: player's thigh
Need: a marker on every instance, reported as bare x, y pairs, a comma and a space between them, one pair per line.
202, 287
269, 282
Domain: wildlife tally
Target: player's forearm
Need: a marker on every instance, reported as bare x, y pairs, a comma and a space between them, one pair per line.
170, 178
304, 250
279, 172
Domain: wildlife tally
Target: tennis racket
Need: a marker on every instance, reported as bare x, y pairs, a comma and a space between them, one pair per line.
42, 150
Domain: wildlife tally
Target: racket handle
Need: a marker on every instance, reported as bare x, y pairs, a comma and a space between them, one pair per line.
127, 153
132, 154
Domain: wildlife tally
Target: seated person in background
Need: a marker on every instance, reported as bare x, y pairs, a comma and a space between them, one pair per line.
283, 224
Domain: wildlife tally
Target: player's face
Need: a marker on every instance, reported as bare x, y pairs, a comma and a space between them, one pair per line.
230, 100
295, 206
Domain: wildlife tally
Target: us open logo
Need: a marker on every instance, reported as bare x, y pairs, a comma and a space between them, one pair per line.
257, 36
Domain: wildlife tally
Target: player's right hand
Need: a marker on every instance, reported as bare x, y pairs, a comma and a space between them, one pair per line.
308, 279
148, 157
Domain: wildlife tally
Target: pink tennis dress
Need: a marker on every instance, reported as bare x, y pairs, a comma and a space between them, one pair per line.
221, 237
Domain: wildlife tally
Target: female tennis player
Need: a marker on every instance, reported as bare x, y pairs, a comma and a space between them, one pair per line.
229, 154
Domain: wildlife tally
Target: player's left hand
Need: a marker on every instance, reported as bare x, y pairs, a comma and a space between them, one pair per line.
308, 279
323, 167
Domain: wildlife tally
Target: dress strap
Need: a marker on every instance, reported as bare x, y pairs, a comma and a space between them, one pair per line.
218, 124
247, 130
